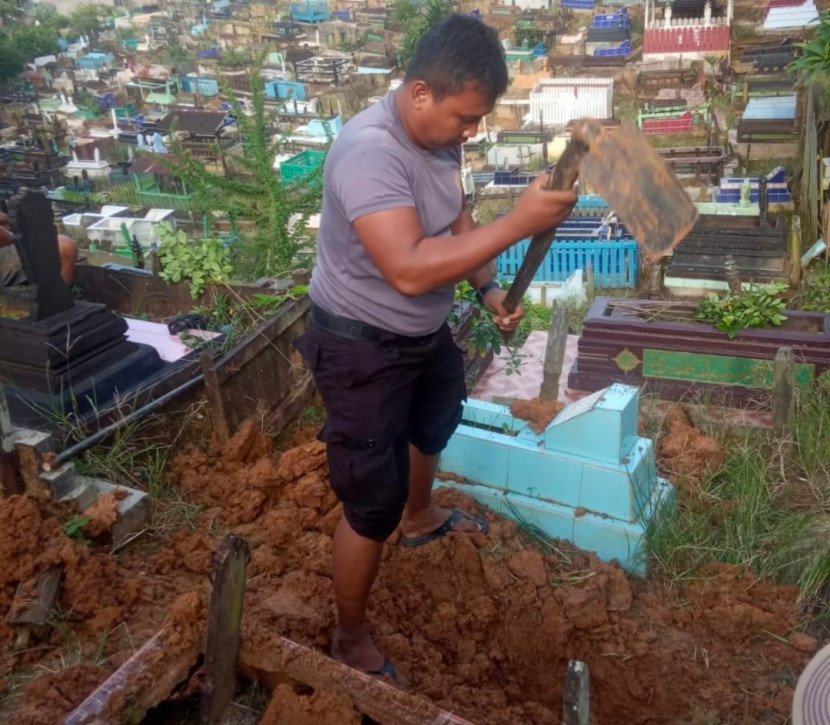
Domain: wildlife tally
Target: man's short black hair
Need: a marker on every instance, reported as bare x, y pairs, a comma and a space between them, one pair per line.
459, 51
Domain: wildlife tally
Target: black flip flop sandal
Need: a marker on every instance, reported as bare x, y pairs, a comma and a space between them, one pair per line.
445, 528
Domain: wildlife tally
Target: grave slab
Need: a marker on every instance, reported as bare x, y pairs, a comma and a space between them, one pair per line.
588, 477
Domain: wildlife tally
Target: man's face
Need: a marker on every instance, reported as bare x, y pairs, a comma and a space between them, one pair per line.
454, 119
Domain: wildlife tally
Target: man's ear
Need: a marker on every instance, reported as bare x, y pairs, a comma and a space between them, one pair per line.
420, 94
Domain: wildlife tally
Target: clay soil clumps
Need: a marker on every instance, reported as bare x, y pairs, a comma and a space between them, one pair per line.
537, 412
320, 708
483, 625
687, 454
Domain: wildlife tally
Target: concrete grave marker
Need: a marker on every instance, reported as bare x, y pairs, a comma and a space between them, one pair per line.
588, 477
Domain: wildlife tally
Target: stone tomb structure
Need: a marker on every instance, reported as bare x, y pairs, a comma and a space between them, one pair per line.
59, 355
659, 346
757, 244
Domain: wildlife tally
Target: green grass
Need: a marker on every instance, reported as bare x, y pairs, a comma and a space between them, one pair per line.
133, 456
537, 317
236, 317
738, 522
485, 210
764, 509
817, 292
744, 33
811, 443
627, 108
311, 415
137, 456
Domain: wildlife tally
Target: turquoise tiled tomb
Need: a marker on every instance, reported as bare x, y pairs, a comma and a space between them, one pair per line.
588, 477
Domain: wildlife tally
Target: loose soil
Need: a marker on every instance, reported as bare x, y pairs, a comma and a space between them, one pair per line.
319, 708
482, 625
686, 454
537, 412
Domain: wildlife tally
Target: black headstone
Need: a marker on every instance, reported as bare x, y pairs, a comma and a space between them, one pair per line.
36, 240
60, 356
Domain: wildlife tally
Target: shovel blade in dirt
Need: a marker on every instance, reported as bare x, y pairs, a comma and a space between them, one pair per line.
625, 169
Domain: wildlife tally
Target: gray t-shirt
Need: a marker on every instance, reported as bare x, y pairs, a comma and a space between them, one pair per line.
373, 166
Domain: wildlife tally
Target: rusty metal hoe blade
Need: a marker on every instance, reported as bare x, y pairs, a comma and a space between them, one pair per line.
625, 169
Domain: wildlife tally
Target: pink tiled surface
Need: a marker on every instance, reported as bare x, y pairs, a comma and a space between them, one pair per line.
495, 383
169, 347
525, 385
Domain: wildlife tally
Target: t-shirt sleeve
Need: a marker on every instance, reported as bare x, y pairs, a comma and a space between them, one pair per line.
370, 177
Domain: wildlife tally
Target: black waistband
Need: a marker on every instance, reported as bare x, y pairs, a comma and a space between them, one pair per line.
357, 330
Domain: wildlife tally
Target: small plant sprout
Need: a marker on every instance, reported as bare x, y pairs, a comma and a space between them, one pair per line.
74, 528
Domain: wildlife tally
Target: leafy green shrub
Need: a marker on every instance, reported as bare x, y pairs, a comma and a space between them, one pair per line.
485, 333
753, 308
201, 262
817, 294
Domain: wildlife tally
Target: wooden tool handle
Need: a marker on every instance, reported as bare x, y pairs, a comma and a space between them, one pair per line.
562, 178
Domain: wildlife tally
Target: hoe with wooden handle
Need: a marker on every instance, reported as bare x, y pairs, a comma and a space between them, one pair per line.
625, 169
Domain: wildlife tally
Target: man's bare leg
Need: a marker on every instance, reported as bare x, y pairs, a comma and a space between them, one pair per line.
355, 562
68, 252
420, 515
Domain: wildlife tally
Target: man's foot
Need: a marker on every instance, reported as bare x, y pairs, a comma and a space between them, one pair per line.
360, 652
435, 522
356, 649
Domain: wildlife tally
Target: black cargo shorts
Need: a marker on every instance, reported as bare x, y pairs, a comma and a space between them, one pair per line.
382, 391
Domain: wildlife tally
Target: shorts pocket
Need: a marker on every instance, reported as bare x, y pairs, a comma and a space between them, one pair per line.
309, 349
331, 359
365, 465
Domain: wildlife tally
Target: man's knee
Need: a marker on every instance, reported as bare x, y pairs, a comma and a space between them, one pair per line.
372, 481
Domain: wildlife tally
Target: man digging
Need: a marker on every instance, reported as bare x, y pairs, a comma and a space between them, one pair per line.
395, 238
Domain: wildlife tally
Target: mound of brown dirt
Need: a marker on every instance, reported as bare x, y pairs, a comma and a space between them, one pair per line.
108, 606
537, 412
319, 708
482, 625
49, 698
686, 454
30, 544
485, 625
102, 514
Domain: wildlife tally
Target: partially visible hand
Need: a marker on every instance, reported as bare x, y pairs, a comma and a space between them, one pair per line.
505, 321
539, 209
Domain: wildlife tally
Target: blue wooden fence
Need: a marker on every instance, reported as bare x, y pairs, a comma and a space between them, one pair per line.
94, 61
309, 11
611, 20
729, 191
578, 4
622, 49
615, 264
200, 85
774, 195
285, 89
513, 177
590, 205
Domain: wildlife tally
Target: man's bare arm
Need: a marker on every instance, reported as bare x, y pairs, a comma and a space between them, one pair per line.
414, 263
465, 223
